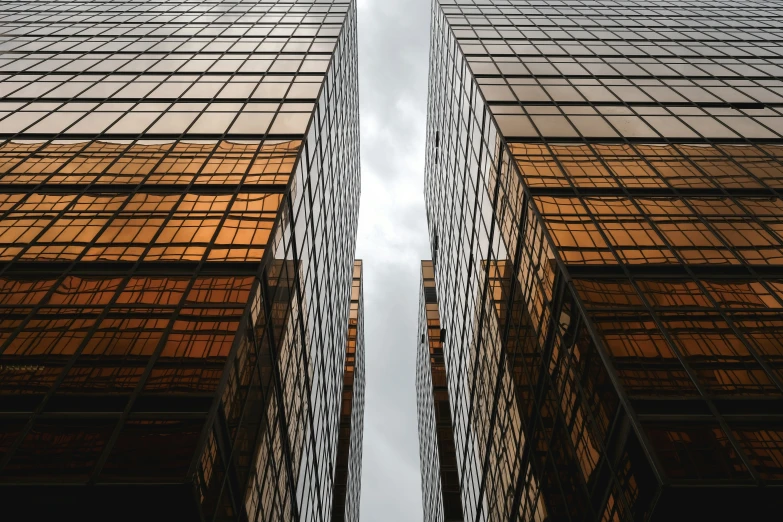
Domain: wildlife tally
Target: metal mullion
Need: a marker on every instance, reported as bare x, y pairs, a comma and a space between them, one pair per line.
451, 56
144, 99
521, 239
525, 457
630, 107
586, 411
244, 332
607, 362
92, 111
548, 459
639, 39
74, 357
546, 237
34, 415
143, 380
324, 145
34, 188
78, 351
277, 388
179, 99
462, 370
64, 274
164, 338
670, 342
548, 381
463, 392
303, 336
330, 67
224, 189
762, 154
76, 199
690, 272
270, 470
481, 286
502, 359
439, 50
734, 199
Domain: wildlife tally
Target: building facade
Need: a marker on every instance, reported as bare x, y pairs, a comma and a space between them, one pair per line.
348, 471
179, 192
603, 200
439, 475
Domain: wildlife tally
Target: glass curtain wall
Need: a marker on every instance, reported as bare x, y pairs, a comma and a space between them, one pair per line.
179, 190
439, 474
603, 198
348, 471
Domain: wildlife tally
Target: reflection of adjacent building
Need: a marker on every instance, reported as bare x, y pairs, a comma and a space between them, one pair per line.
608, 270
440, 481
348, 470
177, 227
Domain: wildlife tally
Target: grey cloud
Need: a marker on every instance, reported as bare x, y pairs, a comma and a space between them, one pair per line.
393, 48
393, 62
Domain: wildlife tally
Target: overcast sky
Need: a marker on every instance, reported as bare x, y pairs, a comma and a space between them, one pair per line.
393, 62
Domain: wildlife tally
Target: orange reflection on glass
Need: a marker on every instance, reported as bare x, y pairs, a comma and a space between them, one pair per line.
195, 223
720, 359
218, 162
764, 448
643, 358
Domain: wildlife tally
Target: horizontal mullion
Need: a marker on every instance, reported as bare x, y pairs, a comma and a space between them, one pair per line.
661, 192
733, 272
651, 141
714, 105
150, 136
175, 100
43, 269
625, 56
86, 415
132, 309
152, 23
141, 54
142, 188
631, 41
623, 76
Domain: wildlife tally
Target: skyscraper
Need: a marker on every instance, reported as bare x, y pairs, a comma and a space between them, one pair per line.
348, 471
603, 199
439, 476
179, 191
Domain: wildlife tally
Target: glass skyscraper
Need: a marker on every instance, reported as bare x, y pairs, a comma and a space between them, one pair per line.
348, 471
603, 200
179, 192
440, 481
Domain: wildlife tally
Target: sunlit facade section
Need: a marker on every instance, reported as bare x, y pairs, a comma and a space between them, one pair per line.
179, 191
348, 471
603, 200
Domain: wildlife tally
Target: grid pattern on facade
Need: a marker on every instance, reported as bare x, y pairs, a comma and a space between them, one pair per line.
439, 474
626, 70
165, 69
602, 195
179, 189
348, 470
